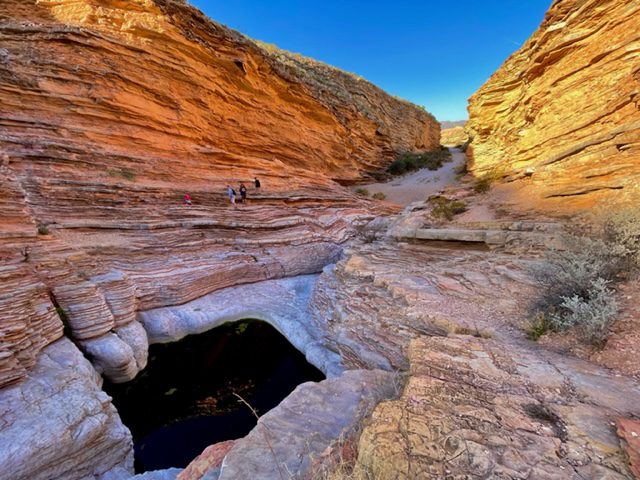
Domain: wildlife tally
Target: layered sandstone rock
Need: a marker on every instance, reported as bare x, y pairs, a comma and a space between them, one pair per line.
60, 424
564, 111
110, 112
451, 137
475, 409
480, 399
383, 294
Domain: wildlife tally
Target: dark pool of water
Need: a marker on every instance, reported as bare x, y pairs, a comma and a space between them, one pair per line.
183, 401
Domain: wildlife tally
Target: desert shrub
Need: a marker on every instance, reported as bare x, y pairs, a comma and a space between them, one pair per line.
461, 169
538, 326
409, 162
482, 186
379, 196
593, 313
573, 271
43, 229
622, 230
483, 183
435, 159
398, 167
445, 208
362, 191
575, 281
124, 172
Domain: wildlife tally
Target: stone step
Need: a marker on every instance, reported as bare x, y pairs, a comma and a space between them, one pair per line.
491, 237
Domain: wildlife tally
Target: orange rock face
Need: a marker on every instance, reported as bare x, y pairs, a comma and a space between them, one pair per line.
564, 111
110, 112
629, 431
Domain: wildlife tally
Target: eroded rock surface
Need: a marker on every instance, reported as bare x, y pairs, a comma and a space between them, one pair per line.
475, 409
283, 303
481, 401
58, 423
287, 439
629, 431
563, 111
385, 293
206, 466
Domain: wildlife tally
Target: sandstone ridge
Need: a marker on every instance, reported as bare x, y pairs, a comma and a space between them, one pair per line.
561, 116
110, 112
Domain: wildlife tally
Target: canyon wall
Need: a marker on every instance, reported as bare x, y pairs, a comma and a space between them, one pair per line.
561, 117
110, 111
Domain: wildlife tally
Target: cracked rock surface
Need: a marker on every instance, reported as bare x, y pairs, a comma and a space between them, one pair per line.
477, 408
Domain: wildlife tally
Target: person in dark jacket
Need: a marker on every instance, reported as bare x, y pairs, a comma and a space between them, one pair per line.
257, 183
243, 193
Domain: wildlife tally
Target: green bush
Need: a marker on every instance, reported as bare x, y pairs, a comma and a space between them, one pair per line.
622, 230
445, 208
409, 162
123, 172
482, 186
398, 167
538, 326
379, 196
362, 191
43, 229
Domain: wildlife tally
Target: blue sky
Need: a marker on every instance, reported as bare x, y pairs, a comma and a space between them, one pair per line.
433, 53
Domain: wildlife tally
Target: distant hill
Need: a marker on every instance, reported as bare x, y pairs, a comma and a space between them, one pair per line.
457, 123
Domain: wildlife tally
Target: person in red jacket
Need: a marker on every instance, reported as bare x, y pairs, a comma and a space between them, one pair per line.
187, 199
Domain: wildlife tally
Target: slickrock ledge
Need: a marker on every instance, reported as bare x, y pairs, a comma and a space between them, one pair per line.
385, 293
58, 423
563, 113
474, 408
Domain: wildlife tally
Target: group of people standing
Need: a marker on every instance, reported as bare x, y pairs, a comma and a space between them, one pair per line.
231, 193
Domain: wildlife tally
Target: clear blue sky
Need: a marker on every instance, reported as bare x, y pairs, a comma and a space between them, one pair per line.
433, 53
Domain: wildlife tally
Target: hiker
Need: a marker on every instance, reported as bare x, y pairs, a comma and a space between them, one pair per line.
257, 182
232, 194
243, 193
187, 199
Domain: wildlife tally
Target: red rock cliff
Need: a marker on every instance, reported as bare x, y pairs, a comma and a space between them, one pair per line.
564, 110
110, 111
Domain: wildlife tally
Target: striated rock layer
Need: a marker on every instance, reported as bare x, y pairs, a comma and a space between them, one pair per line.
110, 112
60, 424
454, 136
564, 111
475, 409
